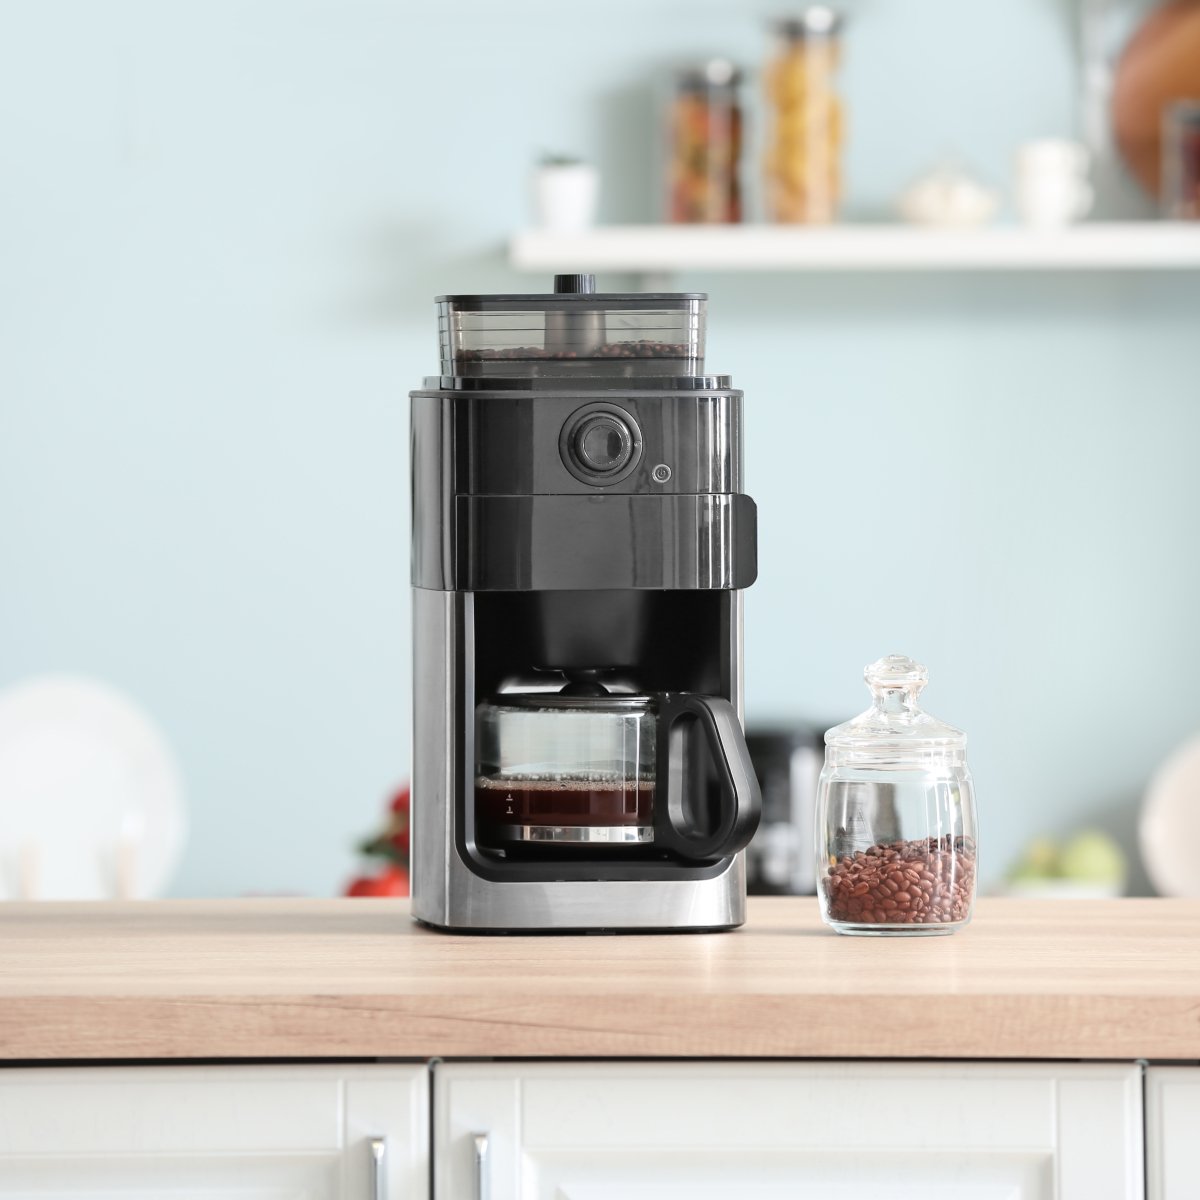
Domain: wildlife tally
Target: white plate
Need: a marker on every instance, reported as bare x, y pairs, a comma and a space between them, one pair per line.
1169, 827
91, 804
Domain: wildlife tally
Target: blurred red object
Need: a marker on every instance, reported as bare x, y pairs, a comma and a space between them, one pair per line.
391, 881
391, 844
399, 829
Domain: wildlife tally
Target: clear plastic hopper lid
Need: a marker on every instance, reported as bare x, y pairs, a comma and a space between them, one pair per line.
572, 331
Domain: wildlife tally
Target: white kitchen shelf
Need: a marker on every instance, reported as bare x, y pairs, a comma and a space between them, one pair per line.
655, 250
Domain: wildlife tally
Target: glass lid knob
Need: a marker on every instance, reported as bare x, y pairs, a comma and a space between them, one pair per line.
895, 682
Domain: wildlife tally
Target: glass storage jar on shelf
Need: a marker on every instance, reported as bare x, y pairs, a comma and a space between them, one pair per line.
803, 166
1181, 161
895, 815
704, 150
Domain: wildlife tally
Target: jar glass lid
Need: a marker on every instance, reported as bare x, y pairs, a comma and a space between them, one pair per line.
895, 723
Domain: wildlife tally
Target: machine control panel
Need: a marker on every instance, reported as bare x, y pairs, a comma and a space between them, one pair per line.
600, 444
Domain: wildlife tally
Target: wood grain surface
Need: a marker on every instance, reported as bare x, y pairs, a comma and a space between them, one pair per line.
357, 978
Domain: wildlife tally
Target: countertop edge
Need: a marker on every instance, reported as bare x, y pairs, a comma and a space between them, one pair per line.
977, 1026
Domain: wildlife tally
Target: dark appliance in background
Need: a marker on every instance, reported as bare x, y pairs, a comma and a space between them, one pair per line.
780, 861
580, 546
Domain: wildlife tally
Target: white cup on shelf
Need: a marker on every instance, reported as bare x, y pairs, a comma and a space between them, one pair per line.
1052, 187
565, 193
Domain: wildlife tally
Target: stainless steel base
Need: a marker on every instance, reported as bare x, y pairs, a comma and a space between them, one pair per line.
446, 893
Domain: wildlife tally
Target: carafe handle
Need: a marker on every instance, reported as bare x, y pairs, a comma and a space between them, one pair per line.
740, 798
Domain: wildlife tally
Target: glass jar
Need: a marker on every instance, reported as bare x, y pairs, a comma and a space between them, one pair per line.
704, 135
1181, 161
803, 164
561, 770
895, 815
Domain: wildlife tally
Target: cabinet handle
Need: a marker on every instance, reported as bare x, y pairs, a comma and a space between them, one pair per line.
483, 1185
378, 1147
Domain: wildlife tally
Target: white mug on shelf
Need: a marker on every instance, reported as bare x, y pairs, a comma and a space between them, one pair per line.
1052, 188
564, 195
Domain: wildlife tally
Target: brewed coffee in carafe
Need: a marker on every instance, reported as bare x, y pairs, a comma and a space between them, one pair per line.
566, 770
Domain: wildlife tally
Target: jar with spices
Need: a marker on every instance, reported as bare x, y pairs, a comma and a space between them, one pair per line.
895, 815
705, 145
806, 121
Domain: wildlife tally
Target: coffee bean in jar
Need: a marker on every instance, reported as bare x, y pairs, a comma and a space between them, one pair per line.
930, 881
895, 815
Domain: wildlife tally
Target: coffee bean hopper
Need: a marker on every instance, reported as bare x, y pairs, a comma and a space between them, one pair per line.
580, 546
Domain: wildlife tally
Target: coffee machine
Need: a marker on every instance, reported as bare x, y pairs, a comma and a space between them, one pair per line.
580, 544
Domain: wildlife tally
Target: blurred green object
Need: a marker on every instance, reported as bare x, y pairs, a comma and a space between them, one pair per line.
1093, 857
1090, 856
1039, 861
1041, 857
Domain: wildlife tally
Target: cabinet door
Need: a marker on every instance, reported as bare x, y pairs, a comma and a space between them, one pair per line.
1173, 1133
215, 1133
833, 1131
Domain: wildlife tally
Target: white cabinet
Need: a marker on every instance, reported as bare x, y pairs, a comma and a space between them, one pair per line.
1173, 1133
600, 1131
692, 1131
215, 1133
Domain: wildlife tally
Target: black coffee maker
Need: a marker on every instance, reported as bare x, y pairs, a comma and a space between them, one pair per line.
580, 544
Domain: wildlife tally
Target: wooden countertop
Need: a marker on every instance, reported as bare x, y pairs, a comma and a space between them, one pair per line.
356, 978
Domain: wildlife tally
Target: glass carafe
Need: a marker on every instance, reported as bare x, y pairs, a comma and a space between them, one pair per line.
605, 771
895, 815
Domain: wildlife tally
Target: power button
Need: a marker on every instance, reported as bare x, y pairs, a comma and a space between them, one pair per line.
600, 444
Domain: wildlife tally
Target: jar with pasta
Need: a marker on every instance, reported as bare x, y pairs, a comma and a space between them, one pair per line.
704, 132
806, 120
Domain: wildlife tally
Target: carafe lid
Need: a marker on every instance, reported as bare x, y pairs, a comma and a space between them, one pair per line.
895, 725
583, 691
551, 702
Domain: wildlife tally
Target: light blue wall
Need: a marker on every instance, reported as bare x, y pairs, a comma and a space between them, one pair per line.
221, 226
